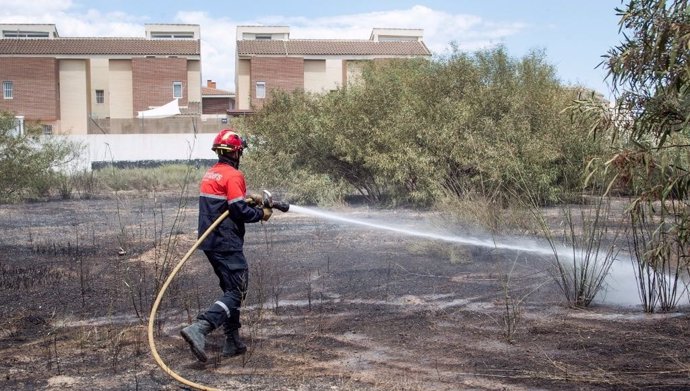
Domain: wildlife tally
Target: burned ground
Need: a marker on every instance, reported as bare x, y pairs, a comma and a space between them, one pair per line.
331, 307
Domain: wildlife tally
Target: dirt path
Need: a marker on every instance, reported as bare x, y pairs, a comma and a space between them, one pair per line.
331, 307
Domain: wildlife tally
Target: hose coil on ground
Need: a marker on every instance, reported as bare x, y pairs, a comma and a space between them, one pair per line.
154, 309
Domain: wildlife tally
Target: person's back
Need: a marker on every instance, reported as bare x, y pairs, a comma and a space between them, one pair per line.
223, 189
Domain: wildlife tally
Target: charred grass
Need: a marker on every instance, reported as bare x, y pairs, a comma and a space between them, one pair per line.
330, 307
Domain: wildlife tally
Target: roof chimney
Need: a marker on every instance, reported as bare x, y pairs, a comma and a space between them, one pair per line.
210, 84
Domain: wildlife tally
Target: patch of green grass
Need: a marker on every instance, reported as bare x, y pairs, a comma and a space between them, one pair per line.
167, 177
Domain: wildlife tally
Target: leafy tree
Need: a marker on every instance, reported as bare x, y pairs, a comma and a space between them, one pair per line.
28, 161
650, 68
414, 130
365, 135
505, 133
650, 72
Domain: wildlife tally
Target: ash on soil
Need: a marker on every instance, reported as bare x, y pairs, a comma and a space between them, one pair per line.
330, 307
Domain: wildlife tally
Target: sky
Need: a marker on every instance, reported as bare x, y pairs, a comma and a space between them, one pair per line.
573, 34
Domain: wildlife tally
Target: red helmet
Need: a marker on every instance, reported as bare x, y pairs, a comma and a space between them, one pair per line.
228, 140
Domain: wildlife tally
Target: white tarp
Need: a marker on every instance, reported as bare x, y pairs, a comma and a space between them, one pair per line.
167, 110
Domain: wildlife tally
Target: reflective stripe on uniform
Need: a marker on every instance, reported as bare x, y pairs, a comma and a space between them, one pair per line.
225, 307
238, 199
216, 196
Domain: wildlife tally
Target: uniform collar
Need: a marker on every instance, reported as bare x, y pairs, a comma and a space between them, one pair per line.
226, 160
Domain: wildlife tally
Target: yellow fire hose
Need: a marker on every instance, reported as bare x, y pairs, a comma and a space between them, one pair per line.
152, 316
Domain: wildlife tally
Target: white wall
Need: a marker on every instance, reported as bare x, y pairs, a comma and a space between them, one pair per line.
314, 75
100, 80
120, 97
243, 85
193, 81
322, 75
73, 89
128, 147
334, 74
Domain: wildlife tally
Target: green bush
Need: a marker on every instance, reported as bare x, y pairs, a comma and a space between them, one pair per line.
416, 130
165, 177
277, 173
30, 162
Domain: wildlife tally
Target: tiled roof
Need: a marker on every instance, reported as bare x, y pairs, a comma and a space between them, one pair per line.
214, 91
331, 47
103, 46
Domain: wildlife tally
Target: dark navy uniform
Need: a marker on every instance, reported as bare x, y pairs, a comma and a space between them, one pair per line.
223, 188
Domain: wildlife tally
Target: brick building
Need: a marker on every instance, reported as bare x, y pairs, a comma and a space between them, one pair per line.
266, 59
79, 86
216, 101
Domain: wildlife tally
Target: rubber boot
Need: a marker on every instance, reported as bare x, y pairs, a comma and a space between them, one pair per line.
233, 344
195, 335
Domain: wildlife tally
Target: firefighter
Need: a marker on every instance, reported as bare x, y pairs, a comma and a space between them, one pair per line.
223, 188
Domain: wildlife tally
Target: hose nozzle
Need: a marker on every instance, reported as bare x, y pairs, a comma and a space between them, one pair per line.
280, 205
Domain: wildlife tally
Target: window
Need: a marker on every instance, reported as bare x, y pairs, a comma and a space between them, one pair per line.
263, 37
172, 35
100, 96
18, 129
25, 34
260, 89
47, 129
7, 88
177, 89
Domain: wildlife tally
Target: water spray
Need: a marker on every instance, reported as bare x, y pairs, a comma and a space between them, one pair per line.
269, 202
619, 273
506, 244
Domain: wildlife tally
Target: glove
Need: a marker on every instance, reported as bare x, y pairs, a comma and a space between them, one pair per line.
267, 213
254, 200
